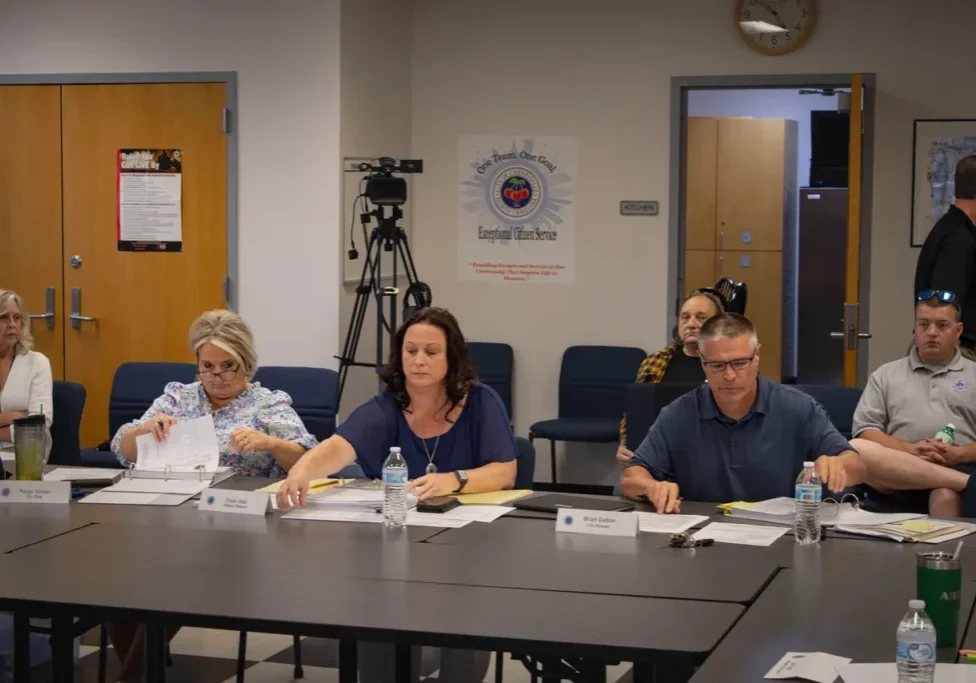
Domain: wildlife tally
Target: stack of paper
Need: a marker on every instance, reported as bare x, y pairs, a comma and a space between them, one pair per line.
781, 511
744, 534
888, 673
414, 518
810, 666
352, 498
912, 530
83, 475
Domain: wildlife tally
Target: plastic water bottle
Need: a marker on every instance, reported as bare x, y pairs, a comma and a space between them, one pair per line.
395, 489
806, 519
915, 658
947, 434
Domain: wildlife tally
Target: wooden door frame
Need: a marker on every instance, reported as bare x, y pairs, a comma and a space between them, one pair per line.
680, 86
229, 80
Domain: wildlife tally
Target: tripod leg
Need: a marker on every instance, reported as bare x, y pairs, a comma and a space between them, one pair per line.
363, 291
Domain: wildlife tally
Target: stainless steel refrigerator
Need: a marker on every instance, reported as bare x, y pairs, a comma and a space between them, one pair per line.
820, 267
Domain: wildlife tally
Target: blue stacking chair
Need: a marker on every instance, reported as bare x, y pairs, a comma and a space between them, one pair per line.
69, 403
134, 388
592, 380
525, 472
495, 363
839, 402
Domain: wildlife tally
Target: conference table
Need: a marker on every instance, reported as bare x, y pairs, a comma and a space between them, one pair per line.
574, 602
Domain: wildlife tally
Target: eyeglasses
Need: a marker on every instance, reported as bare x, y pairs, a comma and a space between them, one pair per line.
943, 295
225, 375
739, 364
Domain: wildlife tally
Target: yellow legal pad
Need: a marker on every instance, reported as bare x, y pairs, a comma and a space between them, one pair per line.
316, 485
493, 498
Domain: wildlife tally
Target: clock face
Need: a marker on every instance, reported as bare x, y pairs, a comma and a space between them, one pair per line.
775, 27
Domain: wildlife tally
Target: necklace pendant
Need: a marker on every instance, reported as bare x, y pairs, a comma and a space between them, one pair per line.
431, 468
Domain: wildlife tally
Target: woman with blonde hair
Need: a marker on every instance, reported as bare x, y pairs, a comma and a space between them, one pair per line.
258, 431
25, 374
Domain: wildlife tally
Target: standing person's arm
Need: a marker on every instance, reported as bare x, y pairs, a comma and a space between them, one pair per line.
954, 268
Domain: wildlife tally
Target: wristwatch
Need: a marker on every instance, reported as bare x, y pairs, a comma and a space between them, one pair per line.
462, 478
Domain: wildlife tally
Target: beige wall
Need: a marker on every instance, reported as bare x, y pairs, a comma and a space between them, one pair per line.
602, 73
375, 120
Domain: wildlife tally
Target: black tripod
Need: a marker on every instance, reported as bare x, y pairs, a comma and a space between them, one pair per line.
390, 237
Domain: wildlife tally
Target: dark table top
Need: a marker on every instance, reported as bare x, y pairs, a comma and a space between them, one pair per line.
306, 598
17, 532
850, 610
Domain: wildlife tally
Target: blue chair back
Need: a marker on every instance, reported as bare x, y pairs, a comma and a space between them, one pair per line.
495, 363
136, 385
839, 402
525, 472
644, 402
313, 394
592, 380
69, 403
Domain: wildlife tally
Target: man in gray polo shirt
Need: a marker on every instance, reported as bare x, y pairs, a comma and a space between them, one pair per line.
908, 400
740, 437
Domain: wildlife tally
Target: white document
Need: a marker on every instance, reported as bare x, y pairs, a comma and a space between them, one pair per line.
352, 498
189, 446
330, 514
476, 513
437, 519
182, 487
82, 474
107, 497
811, 666
744, 534
887, 673
654, 523
781, 511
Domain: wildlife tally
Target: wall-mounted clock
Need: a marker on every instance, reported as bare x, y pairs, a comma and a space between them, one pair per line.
775, 27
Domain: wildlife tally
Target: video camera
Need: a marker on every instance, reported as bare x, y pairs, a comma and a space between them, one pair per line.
382, 189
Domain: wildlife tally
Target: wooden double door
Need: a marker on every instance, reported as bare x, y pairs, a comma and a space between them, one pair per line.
58, 223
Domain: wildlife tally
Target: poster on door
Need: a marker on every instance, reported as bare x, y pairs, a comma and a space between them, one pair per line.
516, 209
150, 200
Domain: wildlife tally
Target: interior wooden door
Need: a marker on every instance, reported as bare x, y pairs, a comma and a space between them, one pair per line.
142, 302
700, 269
700, 178
750, 184
30, 209
852, 333
762, 271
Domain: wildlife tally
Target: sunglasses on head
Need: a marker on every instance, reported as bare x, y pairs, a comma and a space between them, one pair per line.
943, 295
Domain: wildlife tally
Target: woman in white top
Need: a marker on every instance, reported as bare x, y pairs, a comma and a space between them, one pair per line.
25, 375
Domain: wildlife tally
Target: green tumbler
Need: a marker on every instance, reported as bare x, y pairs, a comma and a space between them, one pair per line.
939, 584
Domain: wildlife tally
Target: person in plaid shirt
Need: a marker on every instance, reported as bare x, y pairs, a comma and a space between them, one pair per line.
677, 362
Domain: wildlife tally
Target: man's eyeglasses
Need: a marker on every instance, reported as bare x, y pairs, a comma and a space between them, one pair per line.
225, 375
739, 364
943, 295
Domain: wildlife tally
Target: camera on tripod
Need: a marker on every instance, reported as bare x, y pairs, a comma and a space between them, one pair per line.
382, 188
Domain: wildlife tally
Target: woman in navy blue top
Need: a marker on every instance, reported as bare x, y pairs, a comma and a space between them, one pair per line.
452, 431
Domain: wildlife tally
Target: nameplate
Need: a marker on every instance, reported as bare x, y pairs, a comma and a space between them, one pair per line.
236, 502
35, 491
597, 522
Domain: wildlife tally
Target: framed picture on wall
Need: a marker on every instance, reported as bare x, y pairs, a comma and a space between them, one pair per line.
938, 144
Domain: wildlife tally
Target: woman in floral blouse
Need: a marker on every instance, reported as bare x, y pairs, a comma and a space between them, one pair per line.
258, 431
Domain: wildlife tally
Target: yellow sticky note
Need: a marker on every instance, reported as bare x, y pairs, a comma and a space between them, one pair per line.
493, 498
316, 485
918, 525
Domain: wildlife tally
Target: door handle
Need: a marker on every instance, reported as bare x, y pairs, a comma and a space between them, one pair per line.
850, 335
76, 317
49, 316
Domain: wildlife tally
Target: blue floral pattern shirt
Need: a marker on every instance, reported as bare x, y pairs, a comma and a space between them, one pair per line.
257, 408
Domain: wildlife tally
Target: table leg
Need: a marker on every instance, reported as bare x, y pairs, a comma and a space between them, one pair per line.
643, 672
62, 652
21, 647
593, 672
402, 670
348, 663
155, 653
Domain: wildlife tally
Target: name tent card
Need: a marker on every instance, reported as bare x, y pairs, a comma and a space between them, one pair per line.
601, 522
235, 502
15, 491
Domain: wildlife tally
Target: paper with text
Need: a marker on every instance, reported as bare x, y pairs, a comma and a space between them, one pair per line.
188, 446
819, 667
744, 534
654, 523
888, 673
476, 513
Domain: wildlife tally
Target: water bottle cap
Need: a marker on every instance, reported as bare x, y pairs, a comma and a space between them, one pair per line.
916, 604
951, 426
808, 465
395, 449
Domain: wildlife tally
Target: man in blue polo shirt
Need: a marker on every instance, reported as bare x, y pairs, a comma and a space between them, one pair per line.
739, 437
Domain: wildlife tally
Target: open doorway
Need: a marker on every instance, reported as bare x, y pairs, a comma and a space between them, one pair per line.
762, 183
